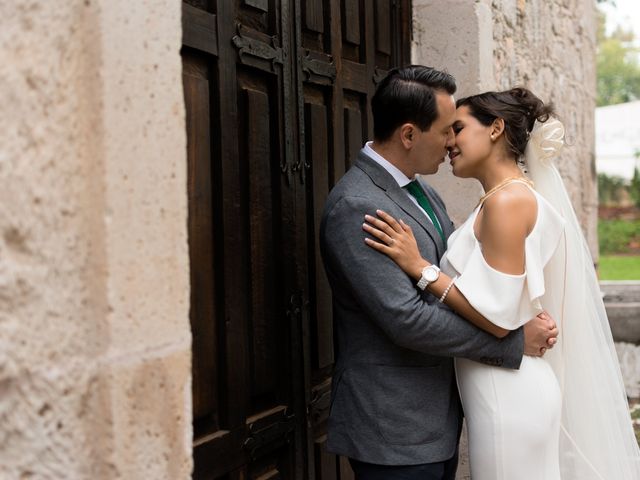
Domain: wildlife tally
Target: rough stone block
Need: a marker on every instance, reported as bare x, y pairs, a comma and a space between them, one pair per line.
150, 404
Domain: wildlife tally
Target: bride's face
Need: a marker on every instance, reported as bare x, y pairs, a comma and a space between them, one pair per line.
472, 144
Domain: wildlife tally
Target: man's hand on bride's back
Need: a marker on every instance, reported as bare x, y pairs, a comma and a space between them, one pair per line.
540, 334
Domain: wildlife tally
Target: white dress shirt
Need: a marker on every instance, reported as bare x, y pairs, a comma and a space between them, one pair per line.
395, 172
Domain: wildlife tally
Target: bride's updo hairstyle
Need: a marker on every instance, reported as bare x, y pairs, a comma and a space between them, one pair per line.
518, 107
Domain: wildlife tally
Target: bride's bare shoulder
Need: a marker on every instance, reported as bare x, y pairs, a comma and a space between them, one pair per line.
511, 211
506, 219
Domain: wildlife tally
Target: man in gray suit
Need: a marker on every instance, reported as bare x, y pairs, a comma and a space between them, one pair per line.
395, 410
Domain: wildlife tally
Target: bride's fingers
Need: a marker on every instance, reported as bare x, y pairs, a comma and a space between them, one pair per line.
381, 225
393, 223
379, 234
381, 247
406, 227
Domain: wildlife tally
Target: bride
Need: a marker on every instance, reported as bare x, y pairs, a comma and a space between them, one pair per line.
564, 416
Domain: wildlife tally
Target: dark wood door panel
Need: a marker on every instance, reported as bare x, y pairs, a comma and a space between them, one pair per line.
352, 27
196, 81
313, 15
261, 445
317, 149
355, 127
199, 29
201, 5
260, 158
277, 95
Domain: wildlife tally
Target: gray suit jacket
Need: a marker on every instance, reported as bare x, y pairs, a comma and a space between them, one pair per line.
394, 397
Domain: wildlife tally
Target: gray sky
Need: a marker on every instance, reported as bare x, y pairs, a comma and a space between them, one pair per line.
626, 13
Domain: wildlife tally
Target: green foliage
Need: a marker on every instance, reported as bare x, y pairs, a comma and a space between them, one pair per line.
617, 66
610, 189
615, 235
619, 267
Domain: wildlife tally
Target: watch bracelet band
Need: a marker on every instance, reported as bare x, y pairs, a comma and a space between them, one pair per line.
422, 283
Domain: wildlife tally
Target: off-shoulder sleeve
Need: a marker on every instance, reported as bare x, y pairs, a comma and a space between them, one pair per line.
510, 301
540, 246
497, 296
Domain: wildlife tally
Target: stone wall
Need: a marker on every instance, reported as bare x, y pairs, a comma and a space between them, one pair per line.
94, 283
547, 46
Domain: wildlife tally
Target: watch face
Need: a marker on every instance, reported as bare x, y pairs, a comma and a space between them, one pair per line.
431, 274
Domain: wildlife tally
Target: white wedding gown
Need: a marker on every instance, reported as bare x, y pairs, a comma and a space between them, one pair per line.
513, 416
565, 416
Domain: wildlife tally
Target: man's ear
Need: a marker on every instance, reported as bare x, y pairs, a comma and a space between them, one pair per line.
497, 128
407, 134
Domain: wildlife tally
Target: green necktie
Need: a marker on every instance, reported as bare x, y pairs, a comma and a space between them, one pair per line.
415, 190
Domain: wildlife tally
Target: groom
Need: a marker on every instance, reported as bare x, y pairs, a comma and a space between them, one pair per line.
395, 411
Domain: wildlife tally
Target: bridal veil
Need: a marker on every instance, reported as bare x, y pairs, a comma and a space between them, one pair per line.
597, 439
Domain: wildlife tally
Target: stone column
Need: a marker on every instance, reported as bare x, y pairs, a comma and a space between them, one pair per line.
94, 282
456, 36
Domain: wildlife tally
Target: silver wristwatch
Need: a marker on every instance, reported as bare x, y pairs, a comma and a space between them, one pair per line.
429, 275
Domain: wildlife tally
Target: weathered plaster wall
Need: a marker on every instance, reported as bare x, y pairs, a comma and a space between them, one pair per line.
547, 46
94, 287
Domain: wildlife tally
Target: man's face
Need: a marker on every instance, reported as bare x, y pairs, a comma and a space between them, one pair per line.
430, 149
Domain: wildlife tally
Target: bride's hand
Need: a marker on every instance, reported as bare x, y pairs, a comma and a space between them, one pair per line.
395, 240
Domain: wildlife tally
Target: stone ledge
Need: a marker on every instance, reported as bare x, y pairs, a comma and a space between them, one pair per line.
620, 291
622, 302
624, 319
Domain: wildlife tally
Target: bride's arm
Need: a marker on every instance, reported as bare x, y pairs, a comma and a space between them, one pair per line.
404, 251
504, 225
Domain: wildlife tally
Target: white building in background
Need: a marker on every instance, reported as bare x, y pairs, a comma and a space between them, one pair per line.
618, 139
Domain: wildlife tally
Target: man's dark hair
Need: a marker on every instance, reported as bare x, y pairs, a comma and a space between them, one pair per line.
408, 94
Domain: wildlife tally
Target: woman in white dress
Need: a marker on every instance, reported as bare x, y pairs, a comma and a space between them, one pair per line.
564, 416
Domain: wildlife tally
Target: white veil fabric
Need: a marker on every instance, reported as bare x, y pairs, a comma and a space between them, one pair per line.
597, 439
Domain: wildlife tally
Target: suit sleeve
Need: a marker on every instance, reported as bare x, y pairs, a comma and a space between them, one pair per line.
389, 298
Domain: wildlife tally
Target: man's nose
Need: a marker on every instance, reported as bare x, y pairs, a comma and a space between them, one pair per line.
451, 139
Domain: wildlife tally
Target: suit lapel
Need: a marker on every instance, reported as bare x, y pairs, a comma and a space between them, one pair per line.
385, 181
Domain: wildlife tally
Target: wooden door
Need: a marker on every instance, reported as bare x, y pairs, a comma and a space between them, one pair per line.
277, 95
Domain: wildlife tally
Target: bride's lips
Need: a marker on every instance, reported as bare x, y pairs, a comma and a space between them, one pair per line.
453, 155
